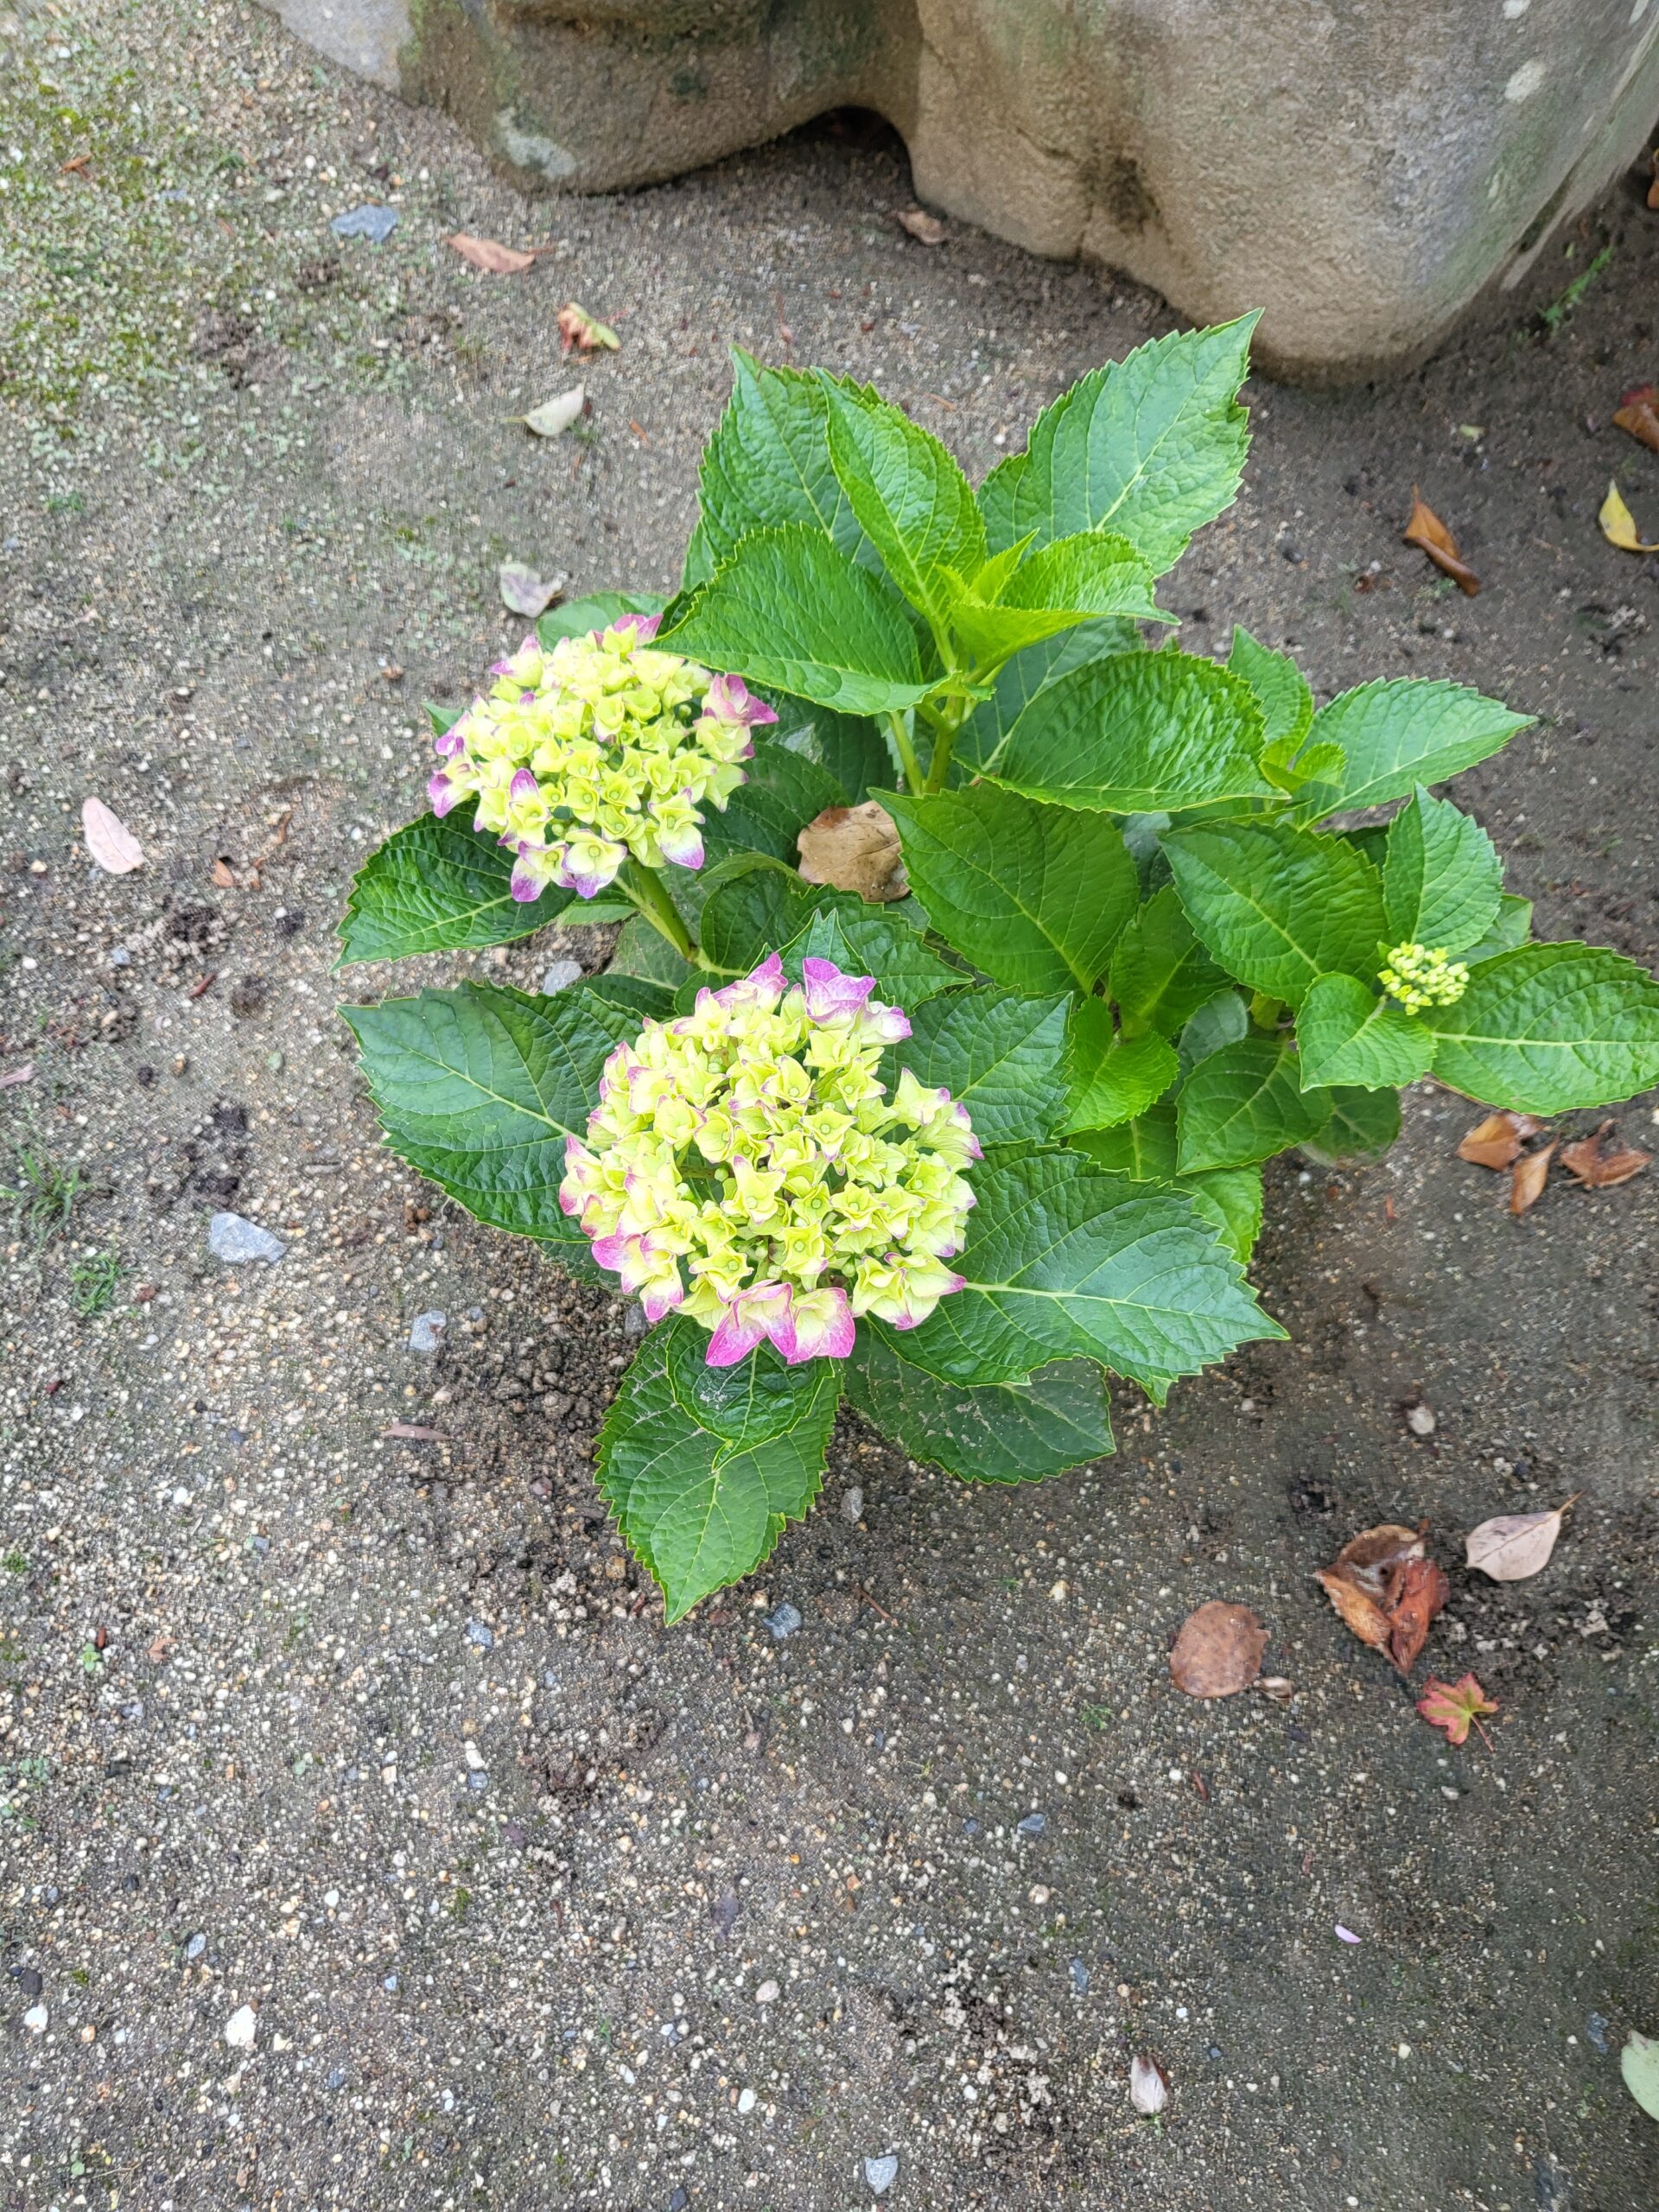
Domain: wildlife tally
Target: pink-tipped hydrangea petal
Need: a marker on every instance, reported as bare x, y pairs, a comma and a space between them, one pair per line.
661, 1296
643, 626
523, 785
731, 700
762, 987
823, 1326
829, 993
613, 1251
442, 793
682, 847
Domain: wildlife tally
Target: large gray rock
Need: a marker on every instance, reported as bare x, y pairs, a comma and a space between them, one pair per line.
1362, 169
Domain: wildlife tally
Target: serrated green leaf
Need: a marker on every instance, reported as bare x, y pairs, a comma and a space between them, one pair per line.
634, 993
577, 617
1280, 688
849, 748
995, 1433
1077, 579
642, 950
1138, 732
994, 1051
1276, 906
782, 790
1441, 878
1512, 927
1348, 1035
1407, 731
1220, 1020
436, 886
787, 608
443, 718
1018, 682
1033, 895
1114, 1077
1143, 1149
1360, 1128
912, 501
1549, 1028
703, 1467
478, 1087
752, 911
1064, 1262
1152, 446
1160, 974
1244, 1103
863, 941
768, 463
1231, 1198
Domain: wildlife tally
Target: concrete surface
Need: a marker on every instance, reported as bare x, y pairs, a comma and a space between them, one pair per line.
380, 1737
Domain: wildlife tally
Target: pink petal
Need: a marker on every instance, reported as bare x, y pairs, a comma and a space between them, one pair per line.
829, 993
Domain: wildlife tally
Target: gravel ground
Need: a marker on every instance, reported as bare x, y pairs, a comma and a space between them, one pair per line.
365, 1839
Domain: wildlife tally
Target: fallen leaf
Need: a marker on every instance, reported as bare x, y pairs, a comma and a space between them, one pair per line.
1344, 1935
925, 229
1527, 1179
108, 841
1425, 529
24, 1074
855, 848
1638, 413
579, 333
1497, 1140
1417, 1590
1357, 1608
490, 255
1219, 1651
1455, 1707
412, 1433
1148, 2085
1600, 1165
1639, 2060
223, 875
1512, 1546
1619, 525
203, 984
553, 416
523, 592
1386, 1590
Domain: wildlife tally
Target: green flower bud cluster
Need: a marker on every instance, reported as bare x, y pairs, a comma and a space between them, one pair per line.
1419, 977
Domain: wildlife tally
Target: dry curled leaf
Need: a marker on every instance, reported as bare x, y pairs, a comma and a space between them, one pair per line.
490, 255
1512, 1546
223, 875
1600, 1166
1425, 529
925, 229
579, 332
412, 1432
108, 841
1497, 1141
555, 416
855, 848
1386, 1590
1527, 1177
1454, 1707
1638, 413
1619, 525
1148, 2085
1219, 1651
523, 592
1417, 1590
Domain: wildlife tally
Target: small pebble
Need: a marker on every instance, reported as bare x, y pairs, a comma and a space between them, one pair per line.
784, 1620
196, 1946
482, 1634
426, 1330
231, 1238
390, 1984
852, 1503
880, 2173
1420, 1419
1079, 1973
241, 2028
1033, 1824
337, 2077
375, 223
633, 1320
767, 1993
35, 2019
745, 2101
120, 957
678, 2202
1596, 2028
559, 976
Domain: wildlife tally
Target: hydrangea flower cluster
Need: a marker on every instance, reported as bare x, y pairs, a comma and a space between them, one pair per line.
750, 1146
601, 748
1419, 978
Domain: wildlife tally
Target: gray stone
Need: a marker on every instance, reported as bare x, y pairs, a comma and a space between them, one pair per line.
852, 1503
1360, 173
1033, 1824
784, 1620
880, 2174
233, 1238
375, 223
482, 1634
560, 975
426, 1330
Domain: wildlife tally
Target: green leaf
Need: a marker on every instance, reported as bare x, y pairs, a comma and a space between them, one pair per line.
1275, 906
1152, 446
1064, 1262
752, 911
443, 718
1018, 681
577, 617
768, 463
1349, 1035
995, 1051
1114, 1078
1160, 974
1244, 1103
633, 992
1404, 732
1549, 1028
1362, 1124
1096, 573
863, 941
1143, 1149
1441, 879
912, 501
1231, 1198
1033, 895
1220, 1020
781, 792
849, 748
703, 1465
434, 886
1280, 687
1139, 731
479, 1087
642, 950
787, 608
1512, 927
990, 1433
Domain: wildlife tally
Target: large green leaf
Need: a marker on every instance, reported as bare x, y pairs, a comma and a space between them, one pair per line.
1276, 906
1114, 1076
703, 1467
1550, 1027
479, 1087
1232, 1197
863, 941
768, 463
1349, 1035
1018, 682
1407, 731
1034, 895
781, 792
849, 748
1063, 1263
1075, 580
434, 886
576, 618
912, 501
1441, 878
1361, 1127
787, 608
992, 1432
1512, 926
1244, 1103
1138, 733
1152, 446
1220, 1020
1160, 974
1280, 686
995, 1051
1143, 1149
641, 950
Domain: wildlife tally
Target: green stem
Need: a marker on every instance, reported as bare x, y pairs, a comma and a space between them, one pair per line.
944, 745
647, 890
907, 752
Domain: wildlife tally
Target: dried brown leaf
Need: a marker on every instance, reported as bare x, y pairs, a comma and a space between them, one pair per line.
1638, 413
413, 1433
1417, 1590
581, 333
1356, 1608
1513, 1547
1453, 1705
524, 592
1386, 1590
1148, 2085
855, 848
1527, 1177
1600, 1165
1365, 1559
223, 875
1219, 1651
490, 255
925, 229
1497, 1140
108, 841
1425, 529
12, 1076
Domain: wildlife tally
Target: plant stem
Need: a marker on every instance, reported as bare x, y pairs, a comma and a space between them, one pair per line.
939, 766
906, 753
647, 890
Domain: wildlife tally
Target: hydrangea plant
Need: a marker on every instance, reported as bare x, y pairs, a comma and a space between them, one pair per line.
959, 1157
